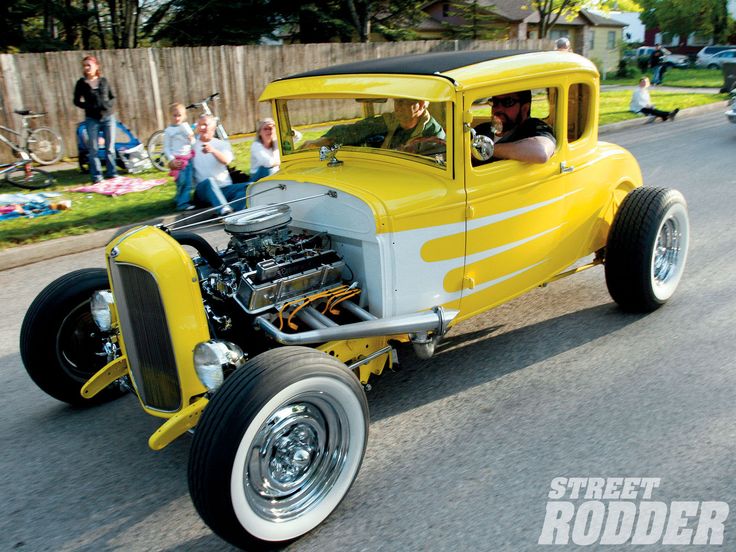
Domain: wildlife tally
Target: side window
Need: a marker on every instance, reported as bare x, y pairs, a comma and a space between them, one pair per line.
515, 115
578, 111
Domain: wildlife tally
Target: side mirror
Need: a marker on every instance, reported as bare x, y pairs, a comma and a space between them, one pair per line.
481, 147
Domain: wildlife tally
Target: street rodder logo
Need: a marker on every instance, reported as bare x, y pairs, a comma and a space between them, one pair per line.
620, 510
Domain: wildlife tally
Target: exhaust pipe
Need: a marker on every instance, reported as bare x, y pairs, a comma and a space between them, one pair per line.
435, 321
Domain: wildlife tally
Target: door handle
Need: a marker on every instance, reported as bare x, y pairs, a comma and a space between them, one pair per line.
565, 168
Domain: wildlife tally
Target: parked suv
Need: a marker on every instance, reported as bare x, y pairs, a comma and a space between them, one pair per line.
716, 60
669, 59
264, 349
706, 53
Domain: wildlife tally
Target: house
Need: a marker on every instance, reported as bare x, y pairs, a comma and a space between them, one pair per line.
592, 35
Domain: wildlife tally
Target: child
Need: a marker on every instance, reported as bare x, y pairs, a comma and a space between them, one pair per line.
178, 140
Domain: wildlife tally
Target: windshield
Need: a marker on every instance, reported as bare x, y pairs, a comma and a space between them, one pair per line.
406, 127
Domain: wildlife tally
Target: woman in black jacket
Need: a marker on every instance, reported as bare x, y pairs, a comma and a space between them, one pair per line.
93, 94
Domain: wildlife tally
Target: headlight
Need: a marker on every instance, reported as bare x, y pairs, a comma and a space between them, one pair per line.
212, 358
101, 311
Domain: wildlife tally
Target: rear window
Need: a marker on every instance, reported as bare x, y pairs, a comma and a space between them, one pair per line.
711, 50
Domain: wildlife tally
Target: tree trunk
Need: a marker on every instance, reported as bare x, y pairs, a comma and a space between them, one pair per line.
100, 30
86, 26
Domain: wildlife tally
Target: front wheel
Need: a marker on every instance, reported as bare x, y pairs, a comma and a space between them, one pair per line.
30, 177
45, 146
647, 248
278, 447
713, 66
60, 344
155, 149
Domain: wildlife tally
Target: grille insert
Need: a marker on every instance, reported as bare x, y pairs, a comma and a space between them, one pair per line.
146, 336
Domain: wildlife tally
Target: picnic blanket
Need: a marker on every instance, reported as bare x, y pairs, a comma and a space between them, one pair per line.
120, 185
29, 205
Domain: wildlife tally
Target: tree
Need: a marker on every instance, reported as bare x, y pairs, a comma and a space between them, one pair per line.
471, 21
349, 20
550, 11
683, 17
198, 23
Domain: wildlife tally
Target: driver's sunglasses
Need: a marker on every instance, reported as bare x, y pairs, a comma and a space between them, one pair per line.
508, 101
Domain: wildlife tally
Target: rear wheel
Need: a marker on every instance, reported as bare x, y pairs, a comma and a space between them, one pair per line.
278, 447
712, 66
45, 146
60, 344
30, 177
155, 149
647, 248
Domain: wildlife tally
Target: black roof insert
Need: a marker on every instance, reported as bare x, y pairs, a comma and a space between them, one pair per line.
419, 64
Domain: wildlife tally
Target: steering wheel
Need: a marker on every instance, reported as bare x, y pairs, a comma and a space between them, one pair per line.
425, 145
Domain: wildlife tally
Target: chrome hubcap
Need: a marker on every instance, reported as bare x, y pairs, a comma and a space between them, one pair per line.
667, 251
296, 457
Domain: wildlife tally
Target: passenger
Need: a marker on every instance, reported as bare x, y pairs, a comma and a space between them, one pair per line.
517, 135
407, 128
211, 157
178, 140
562, 44
264, 152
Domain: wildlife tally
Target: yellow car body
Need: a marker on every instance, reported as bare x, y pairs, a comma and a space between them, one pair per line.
456, 236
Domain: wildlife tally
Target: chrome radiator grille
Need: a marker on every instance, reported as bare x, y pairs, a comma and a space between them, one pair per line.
146, 337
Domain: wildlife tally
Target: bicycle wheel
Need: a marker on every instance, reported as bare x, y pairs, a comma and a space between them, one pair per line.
45, 146
30, 177
155, 149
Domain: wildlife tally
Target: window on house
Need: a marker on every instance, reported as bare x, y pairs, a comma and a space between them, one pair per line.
445, 10
555, 34
592, 39
578, 111
611, 40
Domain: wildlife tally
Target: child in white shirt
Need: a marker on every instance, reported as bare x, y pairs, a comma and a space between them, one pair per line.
178, 140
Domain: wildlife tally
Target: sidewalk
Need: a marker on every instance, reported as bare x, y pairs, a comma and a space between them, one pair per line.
33, 253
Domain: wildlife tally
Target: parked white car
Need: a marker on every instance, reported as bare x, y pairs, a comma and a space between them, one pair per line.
704, 55
669, 59
716, 61
731, 113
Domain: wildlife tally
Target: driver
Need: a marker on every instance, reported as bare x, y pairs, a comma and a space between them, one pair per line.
520, 137
403, 129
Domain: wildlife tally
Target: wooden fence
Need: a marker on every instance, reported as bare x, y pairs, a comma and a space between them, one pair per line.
147, 80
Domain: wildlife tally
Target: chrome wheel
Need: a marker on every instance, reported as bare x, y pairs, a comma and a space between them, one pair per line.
296, 457
278, 447
670, 250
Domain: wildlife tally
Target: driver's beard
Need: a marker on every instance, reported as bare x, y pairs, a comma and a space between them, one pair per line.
508, 125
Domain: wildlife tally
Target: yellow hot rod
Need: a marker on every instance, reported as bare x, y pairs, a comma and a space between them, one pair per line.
371, 234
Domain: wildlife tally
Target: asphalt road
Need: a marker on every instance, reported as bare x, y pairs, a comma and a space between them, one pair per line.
463, 447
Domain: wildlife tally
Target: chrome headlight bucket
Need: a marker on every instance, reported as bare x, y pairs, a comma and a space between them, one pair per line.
213, 359
101, 307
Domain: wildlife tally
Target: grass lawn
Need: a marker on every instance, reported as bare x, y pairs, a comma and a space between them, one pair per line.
614, 104
90, 212
686, 78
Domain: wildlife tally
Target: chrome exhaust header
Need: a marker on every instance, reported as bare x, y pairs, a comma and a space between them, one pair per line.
435, 321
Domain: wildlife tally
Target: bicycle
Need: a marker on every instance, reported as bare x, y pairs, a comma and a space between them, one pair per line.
155, 144
43, 144
24, 175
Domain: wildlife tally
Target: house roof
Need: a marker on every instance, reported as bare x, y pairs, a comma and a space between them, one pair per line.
424, 64
519, 11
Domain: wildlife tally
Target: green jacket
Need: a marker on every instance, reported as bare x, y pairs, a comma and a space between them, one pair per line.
386, 125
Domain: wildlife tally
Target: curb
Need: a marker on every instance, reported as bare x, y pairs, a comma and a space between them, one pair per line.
33, 253
41, 251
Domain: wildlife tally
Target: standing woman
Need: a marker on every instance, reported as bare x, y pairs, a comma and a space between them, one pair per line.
264, 152
93, 94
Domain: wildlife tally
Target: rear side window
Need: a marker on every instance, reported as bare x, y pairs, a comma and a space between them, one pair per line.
578, 111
